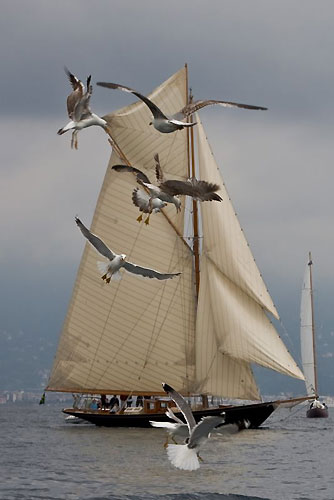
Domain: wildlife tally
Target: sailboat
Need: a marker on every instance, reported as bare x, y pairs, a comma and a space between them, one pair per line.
308, 345
199, 332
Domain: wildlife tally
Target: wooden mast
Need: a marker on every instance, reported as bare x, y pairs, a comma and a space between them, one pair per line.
192, 173
313, 329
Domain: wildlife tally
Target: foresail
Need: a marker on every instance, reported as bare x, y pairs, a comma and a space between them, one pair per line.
306, 334
130, 335
235, 292
224, 242
217, 372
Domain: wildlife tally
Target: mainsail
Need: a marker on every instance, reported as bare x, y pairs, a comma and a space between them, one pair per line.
129, 336
307, 333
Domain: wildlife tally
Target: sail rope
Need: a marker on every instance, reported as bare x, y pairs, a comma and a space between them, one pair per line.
152, 342
171, 146
156, 334
126, 338
109, 312
293, 413
289, 340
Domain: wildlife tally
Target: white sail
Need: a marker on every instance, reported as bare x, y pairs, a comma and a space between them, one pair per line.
233, 291
130, 335
306, 333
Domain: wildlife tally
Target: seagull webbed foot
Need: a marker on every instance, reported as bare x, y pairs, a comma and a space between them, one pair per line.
140, 218
147, 221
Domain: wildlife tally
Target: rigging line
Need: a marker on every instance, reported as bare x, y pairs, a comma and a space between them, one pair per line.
122, 156
293, 413
171, 147
109, 312
292, 346
132, 329
127, 336
187, 319
152, 343
73, 353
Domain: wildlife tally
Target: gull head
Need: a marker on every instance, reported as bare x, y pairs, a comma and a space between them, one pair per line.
123, 257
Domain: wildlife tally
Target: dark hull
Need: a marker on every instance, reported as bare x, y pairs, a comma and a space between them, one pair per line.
255, 413
317, 413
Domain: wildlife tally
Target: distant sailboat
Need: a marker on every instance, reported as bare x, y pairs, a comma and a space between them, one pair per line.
308, 347
200, 332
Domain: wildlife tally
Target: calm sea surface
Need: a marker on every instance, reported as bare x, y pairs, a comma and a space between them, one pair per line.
42, 457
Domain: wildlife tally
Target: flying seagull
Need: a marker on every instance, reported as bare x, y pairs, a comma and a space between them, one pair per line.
194, 106
185, 456
161, 122
111, 269
175, 429
198, 190
178, 429
143, 201
78, 109
154, 191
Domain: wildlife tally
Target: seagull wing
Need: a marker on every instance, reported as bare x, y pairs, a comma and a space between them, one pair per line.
125, 168
195, 106
96, 242
202, 430
74, 81
182, 404
82, 109
156, 112
170, 414
183, 124
76, 95
201, 190
164, 425
158, 170
146, 272
141, 200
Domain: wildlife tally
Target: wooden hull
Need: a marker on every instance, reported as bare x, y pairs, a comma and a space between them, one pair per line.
255, 413
317, 413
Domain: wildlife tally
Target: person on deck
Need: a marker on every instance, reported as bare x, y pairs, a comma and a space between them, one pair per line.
114, 404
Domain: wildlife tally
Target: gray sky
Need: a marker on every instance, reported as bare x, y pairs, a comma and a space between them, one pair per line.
277, 165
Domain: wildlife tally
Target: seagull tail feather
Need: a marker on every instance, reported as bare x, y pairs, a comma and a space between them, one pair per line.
67, 127
116, 276
163, 425
103, 267
183, 457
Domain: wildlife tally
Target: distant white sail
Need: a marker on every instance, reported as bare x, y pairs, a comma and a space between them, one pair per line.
306, 333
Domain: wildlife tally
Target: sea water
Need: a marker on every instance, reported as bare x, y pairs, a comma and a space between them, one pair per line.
43, 457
